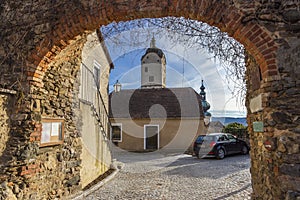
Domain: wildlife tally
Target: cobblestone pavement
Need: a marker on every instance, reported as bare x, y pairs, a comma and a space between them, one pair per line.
178, 176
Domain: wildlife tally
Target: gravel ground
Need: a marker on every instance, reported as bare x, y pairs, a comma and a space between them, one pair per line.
177, 176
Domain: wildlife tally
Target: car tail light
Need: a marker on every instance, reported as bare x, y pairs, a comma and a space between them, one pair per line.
212, 144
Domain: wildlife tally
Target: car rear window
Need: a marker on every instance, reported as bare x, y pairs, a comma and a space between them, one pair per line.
210, 138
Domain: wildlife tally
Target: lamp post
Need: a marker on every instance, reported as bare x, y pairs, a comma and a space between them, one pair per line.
207, 119
117, 86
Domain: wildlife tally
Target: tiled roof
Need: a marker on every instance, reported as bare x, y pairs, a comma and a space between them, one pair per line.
156, 103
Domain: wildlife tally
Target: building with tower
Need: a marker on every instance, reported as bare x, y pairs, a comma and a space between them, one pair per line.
155, 117
153, 68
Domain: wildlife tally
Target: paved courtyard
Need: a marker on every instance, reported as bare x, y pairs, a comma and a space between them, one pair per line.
177, 176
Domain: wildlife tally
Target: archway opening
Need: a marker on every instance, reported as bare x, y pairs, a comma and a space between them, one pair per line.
187, 64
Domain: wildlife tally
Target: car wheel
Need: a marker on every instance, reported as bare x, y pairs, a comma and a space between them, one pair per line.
245, 150
220, 154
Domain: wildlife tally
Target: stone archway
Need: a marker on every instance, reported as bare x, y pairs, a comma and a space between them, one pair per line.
33, 33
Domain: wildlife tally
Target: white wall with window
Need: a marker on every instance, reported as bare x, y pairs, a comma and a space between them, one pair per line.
96, 74
90, 81
94, 77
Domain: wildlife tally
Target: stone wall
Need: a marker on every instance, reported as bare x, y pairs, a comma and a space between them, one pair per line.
60, 164
51, 171
6, 102
4, 122
275, 150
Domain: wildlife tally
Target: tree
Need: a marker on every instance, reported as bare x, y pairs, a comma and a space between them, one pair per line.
236, 129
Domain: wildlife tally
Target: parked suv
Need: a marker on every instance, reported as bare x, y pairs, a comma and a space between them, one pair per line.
219, 145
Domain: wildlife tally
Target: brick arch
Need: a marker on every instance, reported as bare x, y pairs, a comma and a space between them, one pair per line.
256, 39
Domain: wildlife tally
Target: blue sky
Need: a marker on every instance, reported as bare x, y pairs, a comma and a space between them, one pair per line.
186, 67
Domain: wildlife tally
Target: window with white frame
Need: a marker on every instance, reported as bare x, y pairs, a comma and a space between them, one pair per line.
116, 132
96, 74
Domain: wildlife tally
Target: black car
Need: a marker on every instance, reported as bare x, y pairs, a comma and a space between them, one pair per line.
219, 145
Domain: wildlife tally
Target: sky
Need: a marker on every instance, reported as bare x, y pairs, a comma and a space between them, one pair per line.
186, 67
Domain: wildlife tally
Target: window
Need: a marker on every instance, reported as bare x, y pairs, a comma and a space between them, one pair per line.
52, 132
151, 78
146, 69
222, 138
116, 132
96, 74
231, 138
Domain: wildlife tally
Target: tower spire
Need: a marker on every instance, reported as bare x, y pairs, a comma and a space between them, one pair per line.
152, 44
202, 92
205, 104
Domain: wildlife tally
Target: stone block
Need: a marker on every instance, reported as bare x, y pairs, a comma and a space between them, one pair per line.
291, 158
289, 183
281, 118
73, 181
290, 169
256, 104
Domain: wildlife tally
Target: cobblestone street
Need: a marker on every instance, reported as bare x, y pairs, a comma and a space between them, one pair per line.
177, 176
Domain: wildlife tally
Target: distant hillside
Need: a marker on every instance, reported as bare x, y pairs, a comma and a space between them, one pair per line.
228, 120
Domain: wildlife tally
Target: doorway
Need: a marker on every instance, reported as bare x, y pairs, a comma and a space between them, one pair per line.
151, 137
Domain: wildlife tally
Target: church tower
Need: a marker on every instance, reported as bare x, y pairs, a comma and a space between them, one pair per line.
153, 68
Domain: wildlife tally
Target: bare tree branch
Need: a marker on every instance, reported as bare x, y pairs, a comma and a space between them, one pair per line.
190, 34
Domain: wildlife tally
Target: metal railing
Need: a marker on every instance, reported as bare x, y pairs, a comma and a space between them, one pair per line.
87, 93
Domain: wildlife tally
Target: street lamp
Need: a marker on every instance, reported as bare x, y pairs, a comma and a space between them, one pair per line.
207, 117
117, 86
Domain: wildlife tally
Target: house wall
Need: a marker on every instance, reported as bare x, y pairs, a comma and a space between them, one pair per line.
174, 134
96, 155
93, 51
